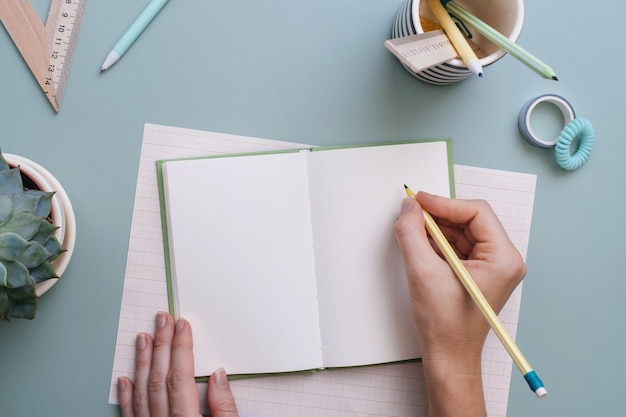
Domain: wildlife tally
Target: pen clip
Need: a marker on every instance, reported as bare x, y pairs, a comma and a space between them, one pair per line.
459, 23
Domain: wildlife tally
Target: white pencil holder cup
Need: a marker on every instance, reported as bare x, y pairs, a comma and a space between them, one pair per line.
506, 16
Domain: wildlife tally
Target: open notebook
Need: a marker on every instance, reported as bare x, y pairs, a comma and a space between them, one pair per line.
382, 390
286, 261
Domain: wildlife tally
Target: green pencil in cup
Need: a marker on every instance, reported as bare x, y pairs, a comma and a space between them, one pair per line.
502, 41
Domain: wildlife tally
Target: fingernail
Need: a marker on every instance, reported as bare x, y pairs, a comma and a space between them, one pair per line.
221, 379
180, 325
121, 384
407, 205
141, 341
161, 319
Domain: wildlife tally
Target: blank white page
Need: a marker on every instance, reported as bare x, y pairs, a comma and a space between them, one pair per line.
356, 195
231, 222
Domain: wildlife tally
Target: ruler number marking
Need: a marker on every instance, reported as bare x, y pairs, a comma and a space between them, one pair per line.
63, 43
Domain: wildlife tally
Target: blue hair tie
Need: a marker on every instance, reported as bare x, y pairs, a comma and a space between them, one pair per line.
583, 129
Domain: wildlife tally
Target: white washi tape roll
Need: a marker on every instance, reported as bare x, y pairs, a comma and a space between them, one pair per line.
524, 118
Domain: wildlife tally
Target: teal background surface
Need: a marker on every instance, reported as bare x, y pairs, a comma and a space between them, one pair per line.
317, 73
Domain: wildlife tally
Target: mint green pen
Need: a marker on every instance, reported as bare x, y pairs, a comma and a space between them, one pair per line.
133, 32
499, 39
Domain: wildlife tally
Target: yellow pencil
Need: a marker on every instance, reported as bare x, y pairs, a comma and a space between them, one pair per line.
456, 37
472, 289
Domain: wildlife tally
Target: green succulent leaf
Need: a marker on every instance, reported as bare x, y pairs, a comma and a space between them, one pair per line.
34, 255
24, 224
42, 272
19, 303
5, 305
22, 293
17, 274
54, 247
46, 229
4, 276
3, 163
26, 202
6, 208
44, 201
11, 246
25, 309
11, 181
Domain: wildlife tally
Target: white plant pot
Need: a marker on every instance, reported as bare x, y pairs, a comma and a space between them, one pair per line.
61, 213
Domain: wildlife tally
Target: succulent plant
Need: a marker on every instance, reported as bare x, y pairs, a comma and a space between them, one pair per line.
27, 243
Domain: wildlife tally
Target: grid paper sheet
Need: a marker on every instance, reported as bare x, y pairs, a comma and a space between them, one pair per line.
394, 390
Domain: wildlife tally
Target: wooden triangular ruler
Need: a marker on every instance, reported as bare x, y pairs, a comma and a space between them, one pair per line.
47, 49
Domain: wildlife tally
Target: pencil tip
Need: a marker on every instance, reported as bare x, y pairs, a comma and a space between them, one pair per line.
405, 187
555, 79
